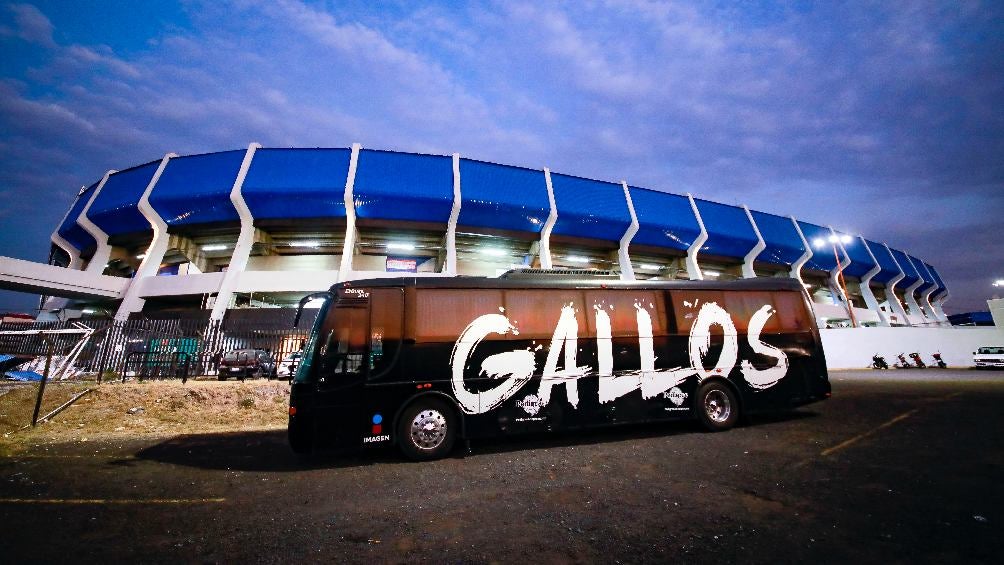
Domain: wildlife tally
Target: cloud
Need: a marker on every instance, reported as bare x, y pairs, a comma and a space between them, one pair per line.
29, 24
863, 118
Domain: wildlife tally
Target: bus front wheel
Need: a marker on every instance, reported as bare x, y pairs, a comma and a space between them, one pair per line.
427, 429
716, 406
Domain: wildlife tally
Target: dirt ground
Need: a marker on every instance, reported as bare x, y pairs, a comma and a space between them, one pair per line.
160, 409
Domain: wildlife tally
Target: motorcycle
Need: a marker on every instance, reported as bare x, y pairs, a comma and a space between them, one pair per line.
939, 361
917, 361
878, 362
902, 363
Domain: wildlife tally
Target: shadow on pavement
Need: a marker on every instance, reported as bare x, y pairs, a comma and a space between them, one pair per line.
269, 451
252, 451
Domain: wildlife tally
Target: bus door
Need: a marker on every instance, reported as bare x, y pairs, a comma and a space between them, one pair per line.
341, 363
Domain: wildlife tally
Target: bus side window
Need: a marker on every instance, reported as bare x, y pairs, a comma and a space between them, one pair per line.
687, 304
743, 305
386, 328
535, 313
621, 308
442, 314
791, 312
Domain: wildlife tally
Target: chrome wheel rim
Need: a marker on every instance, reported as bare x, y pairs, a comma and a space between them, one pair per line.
717, 406
428, 429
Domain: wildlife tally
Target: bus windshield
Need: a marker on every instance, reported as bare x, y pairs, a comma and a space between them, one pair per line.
337, 344
303, 371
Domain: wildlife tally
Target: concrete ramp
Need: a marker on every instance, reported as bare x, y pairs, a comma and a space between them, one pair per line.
40, 278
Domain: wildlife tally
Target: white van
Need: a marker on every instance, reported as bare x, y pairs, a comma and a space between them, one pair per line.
989, 357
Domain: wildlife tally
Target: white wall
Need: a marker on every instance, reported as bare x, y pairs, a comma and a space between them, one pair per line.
853, 348
294, 263
996, 306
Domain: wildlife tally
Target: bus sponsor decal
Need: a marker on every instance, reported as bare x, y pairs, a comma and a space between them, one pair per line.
517, 367
676, 396
531, 404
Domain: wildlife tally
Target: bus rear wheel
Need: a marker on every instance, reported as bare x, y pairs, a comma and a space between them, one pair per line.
427, 430
716, 406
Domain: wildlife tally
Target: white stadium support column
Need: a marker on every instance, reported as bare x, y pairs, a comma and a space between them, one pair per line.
693, 268
911, 300
60, 242
840, 297
938, 306
935, 310
866, 290
627, 271
348, 249
450, 268
748, 271
154, 256
925, 301
796, 267
545, 234
104, 251
245, 241
890, 290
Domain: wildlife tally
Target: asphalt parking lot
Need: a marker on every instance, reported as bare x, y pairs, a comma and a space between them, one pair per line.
899, 466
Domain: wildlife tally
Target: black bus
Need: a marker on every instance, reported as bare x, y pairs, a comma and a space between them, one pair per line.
421, 362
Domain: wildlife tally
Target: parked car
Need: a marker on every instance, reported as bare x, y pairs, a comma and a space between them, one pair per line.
989, 357
243, 363
287, 367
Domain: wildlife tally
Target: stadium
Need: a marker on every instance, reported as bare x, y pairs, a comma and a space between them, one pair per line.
258, 228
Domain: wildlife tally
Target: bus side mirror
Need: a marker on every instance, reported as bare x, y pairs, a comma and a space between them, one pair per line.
305, 300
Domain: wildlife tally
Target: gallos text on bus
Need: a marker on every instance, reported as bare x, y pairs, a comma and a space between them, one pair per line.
519, 366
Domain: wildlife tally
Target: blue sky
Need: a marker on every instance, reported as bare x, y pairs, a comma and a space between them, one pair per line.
880, 118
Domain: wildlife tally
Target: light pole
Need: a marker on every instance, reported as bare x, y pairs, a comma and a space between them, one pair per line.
818, 243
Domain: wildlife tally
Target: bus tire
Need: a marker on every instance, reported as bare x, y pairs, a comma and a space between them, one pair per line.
427, 429
716, 406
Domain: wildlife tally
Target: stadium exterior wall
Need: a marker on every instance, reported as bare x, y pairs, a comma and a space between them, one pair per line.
242, 222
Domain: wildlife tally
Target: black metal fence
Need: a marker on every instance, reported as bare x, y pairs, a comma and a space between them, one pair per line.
181, 348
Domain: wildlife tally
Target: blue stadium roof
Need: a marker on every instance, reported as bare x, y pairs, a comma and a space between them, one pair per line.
116, 208
590, 208
403, 186
861, 261
196, 189
297, 183
664, 219
885, 261
783, 246
908, 270
730, 233
502, 197
290, 184
71, 231
823, 258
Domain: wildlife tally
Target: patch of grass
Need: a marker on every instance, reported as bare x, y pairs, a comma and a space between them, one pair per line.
247, 403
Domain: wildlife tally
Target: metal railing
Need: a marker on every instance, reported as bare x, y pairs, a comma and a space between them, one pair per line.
153, 348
